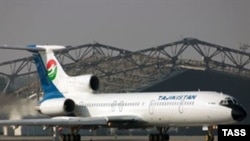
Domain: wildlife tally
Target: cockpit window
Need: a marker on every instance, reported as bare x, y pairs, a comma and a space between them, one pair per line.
223, 102
235, 101
229, 101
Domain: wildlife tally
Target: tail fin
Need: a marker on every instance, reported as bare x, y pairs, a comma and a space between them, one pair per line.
54, 81
50, 71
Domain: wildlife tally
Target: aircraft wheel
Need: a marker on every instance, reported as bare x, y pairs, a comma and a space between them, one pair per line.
156, 137
62, 137
68, 137
210, 137
77, 137
166, 137
160, 137
73, 137
151, 137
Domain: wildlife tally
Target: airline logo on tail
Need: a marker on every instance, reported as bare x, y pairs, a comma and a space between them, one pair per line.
52, 69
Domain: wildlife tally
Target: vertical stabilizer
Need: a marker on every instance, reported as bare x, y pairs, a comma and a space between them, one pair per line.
50, 71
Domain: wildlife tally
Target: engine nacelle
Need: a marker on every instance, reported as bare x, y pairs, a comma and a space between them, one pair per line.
94, 83
86, 83
57, 107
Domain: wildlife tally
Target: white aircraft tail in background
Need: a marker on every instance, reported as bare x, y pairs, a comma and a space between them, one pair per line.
71, 103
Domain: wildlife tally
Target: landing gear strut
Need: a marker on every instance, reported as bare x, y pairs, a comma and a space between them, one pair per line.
161, 136
210, 135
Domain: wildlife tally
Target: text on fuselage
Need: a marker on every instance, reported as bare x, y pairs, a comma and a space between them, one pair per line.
179, 97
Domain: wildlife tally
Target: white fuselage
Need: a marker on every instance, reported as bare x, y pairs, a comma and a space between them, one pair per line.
158, 109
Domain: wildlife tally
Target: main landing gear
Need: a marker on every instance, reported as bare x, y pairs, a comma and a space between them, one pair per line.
70, 137
74, 136
161, 136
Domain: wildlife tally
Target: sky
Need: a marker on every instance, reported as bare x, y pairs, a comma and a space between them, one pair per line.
126, 24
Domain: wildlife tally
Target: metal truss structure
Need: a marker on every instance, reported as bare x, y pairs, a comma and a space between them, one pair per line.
121, 70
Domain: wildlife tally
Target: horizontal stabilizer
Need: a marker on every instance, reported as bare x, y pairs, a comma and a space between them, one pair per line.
34, 48
22, 48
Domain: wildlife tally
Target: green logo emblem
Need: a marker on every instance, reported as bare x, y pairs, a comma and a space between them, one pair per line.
52, 69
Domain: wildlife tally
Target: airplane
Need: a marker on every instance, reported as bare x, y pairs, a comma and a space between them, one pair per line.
71, 102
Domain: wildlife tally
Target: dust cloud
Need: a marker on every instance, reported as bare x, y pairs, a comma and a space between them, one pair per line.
16, 108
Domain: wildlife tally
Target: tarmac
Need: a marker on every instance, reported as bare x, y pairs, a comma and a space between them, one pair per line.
102, 138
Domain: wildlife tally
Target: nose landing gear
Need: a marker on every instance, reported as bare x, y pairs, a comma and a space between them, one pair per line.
210, 135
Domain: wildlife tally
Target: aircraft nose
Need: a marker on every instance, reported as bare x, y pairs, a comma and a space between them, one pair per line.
238, 113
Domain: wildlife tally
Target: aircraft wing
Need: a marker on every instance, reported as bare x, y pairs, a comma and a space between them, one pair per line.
75, 121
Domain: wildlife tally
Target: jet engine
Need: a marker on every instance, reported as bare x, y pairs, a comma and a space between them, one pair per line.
94, 82
57, 107
86, 83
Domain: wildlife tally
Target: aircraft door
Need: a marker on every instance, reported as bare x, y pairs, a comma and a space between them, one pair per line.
151, 107
113, 106
182, 101
120, 106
